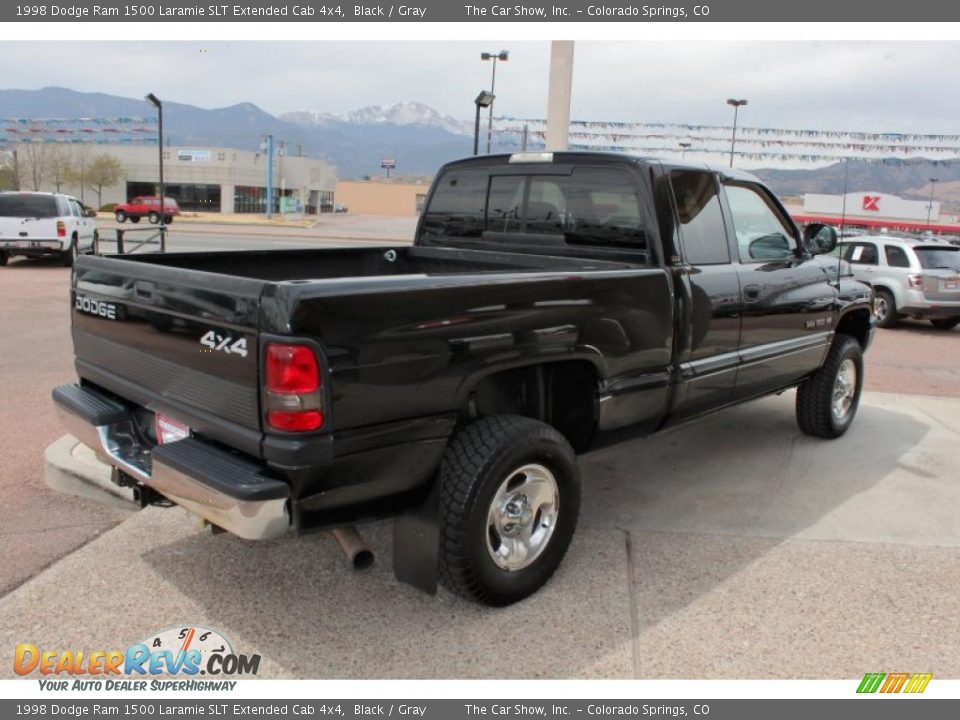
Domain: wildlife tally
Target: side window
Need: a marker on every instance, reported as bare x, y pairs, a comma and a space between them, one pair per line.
896, 257
862, 254
761, 233
75, 208
63, 207
457, 206
702, 234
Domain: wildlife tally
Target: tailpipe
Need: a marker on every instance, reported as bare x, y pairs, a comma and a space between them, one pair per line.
354, 547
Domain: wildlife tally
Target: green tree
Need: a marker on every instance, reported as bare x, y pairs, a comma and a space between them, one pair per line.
59, 166
103, 171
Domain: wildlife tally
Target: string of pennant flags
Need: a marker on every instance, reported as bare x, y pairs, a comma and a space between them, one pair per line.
803, 134
80, 121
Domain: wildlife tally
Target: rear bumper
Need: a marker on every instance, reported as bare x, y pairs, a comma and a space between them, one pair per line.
220, 487
932, 309
32, 246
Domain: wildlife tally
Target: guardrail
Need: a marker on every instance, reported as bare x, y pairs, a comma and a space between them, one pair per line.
126, 244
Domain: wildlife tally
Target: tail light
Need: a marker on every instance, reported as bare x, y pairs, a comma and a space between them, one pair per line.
61, 229
293, 384
915, 281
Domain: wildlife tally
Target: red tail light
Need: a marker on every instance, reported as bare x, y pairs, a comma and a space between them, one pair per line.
915, 281
293, 383
61, 229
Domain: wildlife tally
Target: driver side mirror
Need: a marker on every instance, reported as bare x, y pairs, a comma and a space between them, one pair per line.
819, 238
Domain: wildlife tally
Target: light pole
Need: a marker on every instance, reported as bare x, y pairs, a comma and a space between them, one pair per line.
268, 146
503, 55
155, 101
684, 146
733, 140
933, 181
484, 99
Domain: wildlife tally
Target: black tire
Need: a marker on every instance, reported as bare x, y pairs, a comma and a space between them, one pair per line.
121, 216
134, 219
154, 218
945, 323
887, 315
815, 396
67, 257
476, 466
167, 219
3, 259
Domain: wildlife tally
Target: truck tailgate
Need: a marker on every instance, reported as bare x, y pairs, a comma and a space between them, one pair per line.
180, 342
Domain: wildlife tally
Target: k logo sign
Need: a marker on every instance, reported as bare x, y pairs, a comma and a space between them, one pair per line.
870, 202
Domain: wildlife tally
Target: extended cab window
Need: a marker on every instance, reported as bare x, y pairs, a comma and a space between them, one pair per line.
762, 234
702, 234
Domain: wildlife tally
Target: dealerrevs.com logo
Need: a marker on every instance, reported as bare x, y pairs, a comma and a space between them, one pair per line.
185, 651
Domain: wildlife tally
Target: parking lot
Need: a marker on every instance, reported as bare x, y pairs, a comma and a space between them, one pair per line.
731, 547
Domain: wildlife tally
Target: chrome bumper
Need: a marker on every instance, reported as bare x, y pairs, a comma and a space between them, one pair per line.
179, 474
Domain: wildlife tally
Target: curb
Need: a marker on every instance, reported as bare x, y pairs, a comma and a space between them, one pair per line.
73, 469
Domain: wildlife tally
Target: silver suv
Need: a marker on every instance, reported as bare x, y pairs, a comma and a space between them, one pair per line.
911, 278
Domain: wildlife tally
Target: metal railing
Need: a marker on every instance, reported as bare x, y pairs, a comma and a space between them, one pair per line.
126, 244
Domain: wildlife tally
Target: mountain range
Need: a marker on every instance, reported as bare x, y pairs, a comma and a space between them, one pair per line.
418, 137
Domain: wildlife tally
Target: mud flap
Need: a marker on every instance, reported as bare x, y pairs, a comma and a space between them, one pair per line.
416, 545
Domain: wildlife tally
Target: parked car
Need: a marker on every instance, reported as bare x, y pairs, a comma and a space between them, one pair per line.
147, 206
918, 278
36, 224
338, 208
551, 302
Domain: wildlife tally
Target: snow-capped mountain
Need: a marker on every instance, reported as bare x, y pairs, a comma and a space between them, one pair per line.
404, 113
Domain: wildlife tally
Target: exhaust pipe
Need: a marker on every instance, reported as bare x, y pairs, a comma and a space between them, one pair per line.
354, 547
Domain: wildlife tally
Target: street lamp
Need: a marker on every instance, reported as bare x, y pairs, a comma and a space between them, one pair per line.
684, 146
484, 99
503, 55
155, 101
733, 140
933, 182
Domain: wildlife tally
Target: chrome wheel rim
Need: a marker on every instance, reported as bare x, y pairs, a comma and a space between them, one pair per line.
844, 389
522, 517
881, 309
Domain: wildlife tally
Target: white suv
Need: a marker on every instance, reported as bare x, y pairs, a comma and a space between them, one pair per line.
41, 223
911, 278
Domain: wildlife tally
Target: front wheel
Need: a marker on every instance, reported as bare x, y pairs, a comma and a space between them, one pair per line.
886, 309
167, 219
509, 500
827, 401
154, 218
945, 323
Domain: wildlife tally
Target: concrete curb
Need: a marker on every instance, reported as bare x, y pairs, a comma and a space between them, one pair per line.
73, 469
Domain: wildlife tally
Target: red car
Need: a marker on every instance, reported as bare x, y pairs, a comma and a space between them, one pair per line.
146, 206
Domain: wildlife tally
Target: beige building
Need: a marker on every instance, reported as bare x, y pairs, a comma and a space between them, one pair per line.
201, 179
382, 197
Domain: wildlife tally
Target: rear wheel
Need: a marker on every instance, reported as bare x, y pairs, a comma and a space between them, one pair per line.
945, 323
167, 219
886, 309
3, 258
120, 216
509, 500
827, 401
154, 218
134, 219
68, 256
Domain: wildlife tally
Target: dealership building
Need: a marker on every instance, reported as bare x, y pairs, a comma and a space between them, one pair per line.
211, 179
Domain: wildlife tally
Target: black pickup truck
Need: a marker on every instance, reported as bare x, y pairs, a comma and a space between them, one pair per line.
550, 303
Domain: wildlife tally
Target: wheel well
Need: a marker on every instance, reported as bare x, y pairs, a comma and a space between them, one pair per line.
856, 324
562, 394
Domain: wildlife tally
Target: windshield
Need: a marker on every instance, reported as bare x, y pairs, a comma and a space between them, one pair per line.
28, 206
939, 257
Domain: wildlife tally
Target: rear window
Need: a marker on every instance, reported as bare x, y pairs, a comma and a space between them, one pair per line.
28, 206
947, 258
591, 206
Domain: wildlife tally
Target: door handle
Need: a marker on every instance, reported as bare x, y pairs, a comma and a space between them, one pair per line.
751, 293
